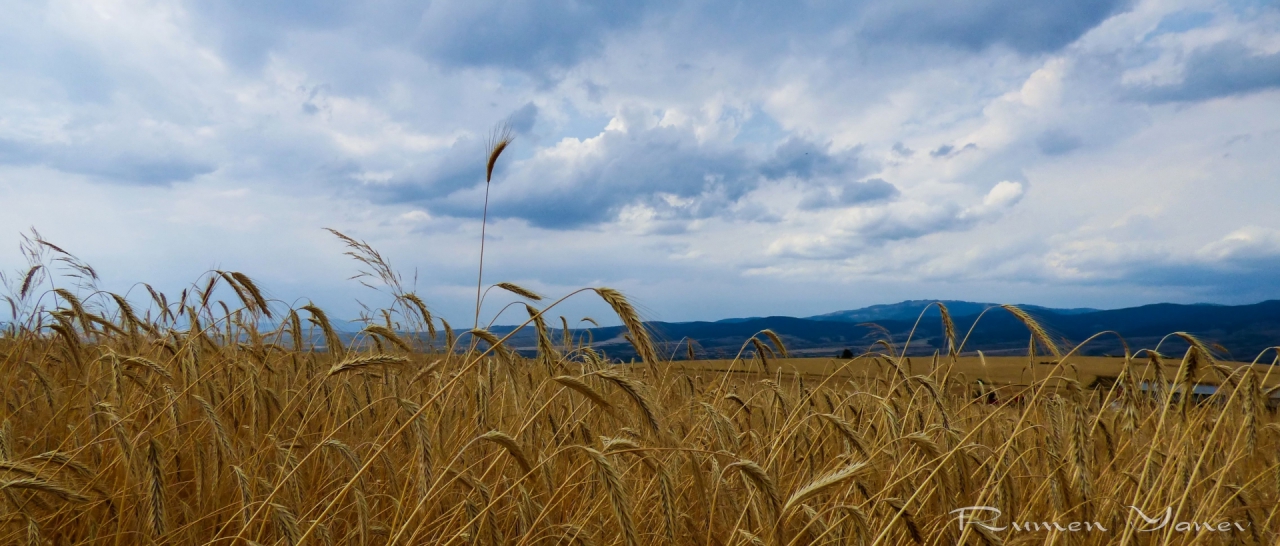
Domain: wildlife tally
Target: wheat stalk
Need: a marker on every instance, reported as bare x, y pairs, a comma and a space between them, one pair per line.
155, 489
362, 361
513, 448
640, 338
44, 486
638, 395
618, 500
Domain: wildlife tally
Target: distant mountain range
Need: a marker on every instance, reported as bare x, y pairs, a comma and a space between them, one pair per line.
911, 309
1240, 332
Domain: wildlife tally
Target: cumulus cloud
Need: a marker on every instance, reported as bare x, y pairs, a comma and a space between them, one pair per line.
578, 182
1247, 246
1239, 264
859, 228
1003, 195
644, 166
801, 158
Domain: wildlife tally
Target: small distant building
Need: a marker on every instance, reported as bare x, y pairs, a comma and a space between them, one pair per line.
1199, 392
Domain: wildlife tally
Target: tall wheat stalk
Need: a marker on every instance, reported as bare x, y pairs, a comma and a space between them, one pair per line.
499, 139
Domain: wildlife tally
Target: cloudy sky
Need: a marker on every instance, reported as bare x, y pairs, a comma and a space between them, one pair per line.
711, 159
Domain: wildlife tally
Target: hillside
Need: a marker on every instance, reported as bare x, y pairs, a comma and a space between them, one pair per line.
1241, 331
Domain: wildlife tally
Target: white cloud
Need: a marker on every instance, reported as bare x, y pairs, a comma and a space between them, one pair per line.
1242, 245
1002, 195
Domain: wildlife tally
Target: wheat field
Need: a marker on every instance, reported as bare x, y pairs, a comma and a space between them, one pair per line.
239, 420
1008, 375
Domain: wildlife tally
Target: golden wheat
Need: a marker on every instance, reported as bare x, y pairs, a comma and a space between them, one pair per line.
201, 424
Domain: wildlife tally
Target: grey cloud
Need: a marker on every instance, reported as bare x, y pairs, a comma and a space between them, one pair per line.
457, 168
1029, 26
853, 193
873, 189
627, 169
522, 120
79, 72
1251, 280
245, 31
437, 175
918, 222
1192, 274
141, 169
1220, 70
877, 228
594, 92
902, 150
900, 220
947, 150
533, 37
543, 38
82, 74
1182, 21
524, 35
1239, 266
1057, 142
665, 169
124, 167
803, 159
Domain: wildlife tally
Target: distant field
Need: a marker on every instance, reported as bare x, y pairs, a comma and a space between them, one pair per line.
997, 370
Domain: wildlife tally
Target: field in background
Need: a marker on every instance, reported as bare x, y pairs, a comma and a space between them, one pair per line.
997, 370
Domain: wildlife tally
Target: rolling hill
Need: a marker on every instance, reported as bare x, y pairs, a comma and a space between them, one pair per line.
1238, 332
